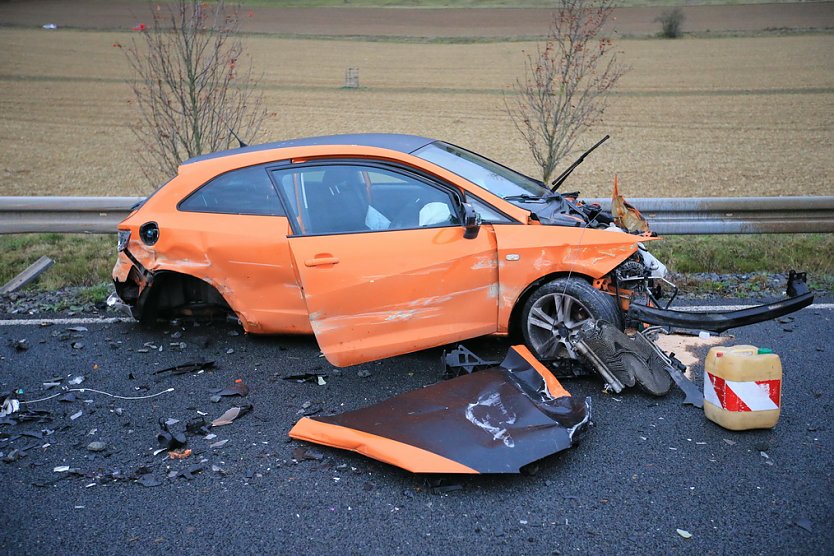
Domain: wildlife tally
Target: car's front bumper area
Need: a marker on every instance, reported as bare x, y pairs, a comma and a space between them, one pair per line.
798, 296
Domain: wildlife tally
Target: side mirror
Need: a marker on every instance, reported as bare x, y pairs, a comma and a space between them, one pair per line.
471, 221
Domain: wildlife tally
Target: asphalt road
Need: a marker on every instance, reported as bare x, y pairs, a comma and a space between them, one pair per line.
648, 467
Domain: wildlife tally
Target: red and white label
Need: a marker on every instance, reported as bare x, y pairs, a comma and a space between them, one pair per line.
760, 395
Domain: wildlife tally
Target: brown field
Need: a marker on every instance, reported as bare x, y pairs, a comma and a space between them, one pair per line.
693, 117
426, 22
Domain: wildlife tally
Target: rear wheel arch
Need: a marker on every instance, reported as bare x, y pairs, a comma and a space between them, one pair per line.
171, 294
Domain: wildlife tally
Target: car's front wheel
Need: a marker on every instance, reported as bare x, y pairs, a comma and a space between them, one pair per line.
556, 311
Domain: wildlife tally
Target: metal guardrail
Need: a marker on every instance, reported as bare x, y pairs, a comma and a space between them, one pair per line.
670, 216
92, 215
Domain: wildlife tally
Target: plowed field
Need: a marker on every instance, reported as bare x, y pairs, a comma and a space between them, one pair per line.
693, 117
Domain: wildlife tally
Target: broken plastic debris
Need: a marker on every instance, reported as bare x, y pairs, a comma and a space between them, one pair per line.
49, 26
169, 440
75, 416
238, 389
20, 345
494, 421
462, 359
683, 533
96, 446
219, 444
148, 480
190, 367
305, 377
231, 415
803, 523
179, 454
443, 485
76, 380
61, 469
191, 471
10, 405
303, 453
196, 425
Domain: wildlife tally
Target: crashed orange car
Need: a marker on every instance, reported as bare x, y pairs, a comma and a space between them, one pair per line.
386, 244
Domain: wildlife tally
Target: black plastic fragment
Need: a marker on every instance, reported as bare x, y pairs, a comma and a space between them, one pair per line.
191, 367
461, 360
148, 480
170, 440
304, 377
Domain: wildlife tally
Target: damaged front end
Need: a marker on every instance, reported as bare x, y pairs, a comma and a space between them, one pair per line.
497, 420
640, 283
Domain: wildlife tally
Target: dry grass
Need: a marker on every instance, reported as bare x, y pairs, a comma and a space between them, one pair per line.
695, 117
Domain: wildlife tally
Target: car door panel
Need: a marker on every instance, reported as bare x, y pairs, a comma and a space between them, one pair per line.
379, 294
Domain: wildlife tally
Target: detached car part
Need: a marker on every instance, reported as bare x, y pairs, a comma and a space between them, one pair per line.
799, 296
492, 421
622, 361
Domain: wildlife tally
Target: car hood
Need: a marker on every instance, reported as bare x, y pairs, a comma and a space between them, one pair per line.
562, 210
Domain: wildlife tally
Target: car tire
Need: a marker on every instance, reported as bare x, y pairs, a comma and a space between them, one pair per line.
556, 311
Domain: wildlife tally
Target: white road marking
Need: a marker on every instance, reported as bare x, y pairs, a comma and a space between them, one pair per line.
113, 320
828, 306
47, 322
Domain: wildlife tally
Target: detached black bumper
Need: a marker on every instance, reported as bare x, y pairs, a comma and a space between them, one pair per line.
799, 296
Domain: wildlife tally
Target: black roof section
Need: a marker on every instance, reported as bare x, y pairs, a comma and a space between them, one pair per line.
392, 141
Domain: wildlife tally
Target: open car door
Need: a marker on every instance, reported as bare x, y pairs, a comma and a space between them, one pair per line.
383, 261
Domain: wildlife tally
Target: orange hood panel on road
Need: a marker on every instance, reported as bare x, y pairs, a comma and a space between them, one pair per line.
492, 421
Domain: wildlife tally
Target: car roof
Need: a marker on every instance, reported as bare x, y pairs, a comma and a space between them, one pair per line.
393, 141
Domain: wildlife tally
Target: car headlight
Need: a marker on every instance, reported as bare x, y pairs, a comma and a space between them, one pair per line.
124, 237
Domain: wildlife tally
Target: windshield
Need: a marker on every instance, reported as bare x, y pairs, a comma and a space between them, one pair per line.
498, 180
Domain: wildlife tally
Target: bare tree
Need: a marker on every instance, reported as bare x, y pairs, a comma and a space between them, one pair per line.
192, 93
566, 83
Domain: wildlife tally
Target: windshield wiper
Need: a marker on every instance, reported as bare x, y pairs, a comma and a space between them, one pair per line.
558, 181
523, 197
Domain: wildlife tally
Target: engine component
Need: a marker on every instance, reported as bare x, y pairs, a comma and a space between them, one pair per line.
621, 360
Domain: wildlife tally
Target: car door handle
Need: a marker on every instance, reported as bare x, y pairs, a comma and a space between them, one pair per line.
318, 261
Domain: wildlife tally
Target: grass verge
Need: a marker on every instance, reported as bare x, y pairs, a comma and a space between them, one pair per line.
80, 260
86, 260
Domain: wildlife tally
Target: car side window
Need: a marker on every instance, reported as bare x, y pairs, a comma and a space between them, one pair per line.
245, 191
488, 214
341, 198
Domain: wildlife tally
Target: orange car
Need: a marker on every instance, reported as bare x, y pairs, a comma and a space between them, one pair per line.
382, 245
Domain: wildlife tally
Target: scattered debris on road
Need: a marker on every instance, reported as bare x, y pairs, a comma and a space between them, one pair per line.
229, 416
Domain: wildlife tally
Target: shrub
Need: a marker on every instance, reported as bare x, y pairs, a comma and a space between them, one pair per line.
671, 22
